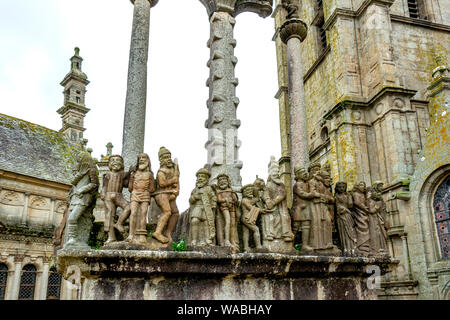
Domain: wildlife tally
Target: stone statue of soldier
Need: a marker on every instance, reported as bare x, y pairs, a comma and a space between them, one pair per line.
203, 204
113, 183
250, 214
82, 198
228, 202
377, 222
361, 218
345, 223
141, 186
167, 191
279, 220
301, 211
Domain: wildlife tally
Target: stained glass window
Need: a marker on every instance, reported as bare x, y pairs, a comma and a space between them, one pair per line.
441, 205
27, 282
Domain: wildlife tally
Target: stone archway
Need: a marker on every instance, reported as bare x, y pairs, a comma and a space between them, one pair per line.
441, 207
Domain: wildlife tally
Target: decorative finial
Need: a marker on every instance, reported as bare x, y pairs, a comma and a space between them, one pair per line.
77, 51
109, 148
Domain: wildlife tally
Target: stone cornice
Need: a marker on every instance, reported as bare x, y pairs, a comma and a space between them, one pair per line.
362, 8
420, 23
363, 103
281, 90
73, 105
7, 175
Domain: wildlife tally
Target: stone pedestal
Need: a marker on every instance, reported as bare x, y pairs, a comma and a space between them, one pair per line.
163, 275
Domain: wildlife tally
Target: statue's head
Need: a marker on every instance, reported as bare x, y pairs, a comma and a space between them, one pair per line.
301, 174
341, 187
165, 158
203, 176
248, 191
274, 169
115, 163
223, 181
259, 184
378, 186
143, 162
84, 162
326, 178
361, 187
314, 168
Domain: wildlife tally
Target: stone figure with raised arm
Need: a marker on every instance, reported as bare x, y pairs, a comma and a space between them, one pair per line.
113, 183
250, 214
167, 191
82, 199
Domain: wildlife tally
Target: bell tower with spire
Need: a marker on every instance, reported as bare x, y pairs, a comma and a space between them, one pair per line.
74, 110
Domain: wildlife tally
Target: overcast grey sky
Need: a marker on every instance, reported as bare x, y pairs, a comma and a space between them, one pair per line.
37, 39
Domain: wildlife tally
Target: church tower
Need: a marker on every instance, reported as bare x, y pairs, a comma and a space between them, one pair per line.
74, 110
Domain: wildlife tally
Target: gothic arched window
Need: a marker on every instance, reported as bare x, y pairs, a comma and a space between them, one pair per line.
27, 282
3, 280
441, 205
54, 285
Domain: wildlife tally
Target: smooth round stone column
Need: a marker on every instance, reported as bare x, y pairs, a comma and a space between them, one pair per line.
135, 105
292, 33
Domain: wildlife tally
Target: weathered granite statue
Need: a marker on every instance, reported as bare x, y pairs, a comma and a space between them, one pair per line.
203, 204
250, 214
226, 221
278, 221
82, 198
259, 186
301, 211
113, 183
292, 9
345, 223
361, 218
141, 185
327, 202
377, 225
167, 191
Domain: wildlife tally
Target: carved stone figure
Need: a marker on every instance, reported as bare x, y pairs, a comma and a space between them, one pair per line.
361, 218
228, 202
250, 214
301, 211
292, 9
82, 198
203, 204
113, 183
167, 191
278, 221
327, 202
345, 223
377, 225
141, 185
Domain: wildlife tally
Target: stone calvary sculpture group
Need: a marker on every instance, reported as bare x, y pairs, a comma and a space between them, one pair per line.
218, 217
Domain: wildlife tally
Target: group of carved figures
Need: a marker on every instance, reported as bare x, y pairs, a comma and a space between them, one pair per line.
216, 210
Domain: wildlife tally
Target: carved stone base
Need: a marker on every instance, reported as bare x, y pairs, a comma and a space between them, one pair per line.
164, 275
151, 244
216, 250
279, 246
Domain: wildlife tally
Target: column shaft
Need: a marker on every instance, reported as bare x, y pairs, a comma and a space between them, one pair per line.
298, 127
44, 282
135, 106
16, 282
223, 145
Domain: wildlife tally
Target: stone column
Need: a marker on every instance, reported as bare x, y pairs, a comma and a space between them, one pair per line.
135, 105
44, 281
51, 214
292, 33
406, 256
223, 145
17, 274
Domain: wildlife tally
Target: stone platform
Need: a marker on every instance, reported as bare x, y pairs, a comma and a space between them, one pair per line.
169, 275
